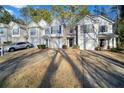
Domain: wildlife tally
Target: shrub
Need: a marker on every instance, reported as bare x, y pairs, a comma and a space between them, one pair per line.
7, 42
116, 49
41, 46
64, 46
75, 46
98, 48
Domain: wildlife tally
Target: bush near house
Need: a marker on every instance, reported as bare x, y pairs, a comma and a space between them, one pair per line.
7, 42
75, 46
116, 49
64, 46
98, 48
41, 46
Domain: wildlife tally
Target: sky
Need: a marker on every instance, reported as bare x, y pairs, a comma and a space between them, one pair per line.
15, 9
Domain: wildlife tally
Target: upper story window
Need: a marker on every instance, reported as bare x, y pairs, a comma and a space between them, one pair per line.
86, 28
56, 29
103, 28
2, 30
33, 31
16, 31
47, 31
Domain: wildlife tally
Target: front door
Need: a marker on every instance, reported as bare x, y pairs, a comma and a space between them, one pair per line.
47, 42
71, 42
102, 42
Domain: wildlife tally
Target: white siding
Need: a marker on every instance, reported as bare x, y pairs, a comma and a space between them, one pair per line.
5, 36
90, 40
105, 22
87, 40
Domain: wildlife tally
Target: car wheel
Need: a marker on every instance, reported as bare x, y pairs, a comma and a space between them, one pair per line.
11, 49
28, 47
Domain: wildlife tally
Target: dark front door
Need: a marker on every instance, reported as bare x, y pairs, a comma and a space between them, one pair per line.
102, 42
71, 42
46, 42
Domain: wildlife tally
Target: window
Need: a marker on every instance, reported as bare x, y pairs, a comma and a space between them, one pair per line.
16, 31
81, 29
33, 31
2, 30
103, 28
47, 31
55, 29
86, 28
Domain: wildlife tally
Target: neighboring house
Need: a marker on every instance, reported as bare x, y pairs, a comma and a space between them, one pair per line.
33, 32
45, 29
18, 32
5, 34
94, 32
55, 34
37, 31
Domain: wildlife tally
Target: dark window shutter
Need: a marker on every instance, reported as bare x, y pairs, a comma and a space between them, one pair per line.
60, 29
76, 29
51, 30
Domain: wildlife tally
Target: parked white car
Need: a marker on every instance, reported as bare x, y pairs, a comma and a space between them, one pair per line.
17, 46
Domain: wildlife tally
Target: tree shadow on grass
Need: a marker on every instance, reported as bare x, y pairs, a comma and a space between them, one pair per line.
51, 70
108, 59
101, 77
10, 66
79, 75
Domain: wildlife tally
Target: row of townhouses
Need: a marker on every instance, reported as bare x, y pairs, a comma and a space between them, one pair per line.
88, 33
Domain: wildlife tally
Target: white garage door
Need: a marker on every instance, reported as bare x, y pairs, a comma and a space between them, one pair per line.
90, 45
56, 43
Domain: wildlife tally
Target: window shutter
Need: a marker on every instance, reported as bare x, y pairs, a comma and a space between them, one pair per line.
60, 29
90, 28
99, 28
106, 28
51, 30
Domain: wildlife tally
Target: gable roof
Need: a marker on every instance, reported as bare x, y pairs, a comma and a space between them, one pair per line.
4, 25
94, 18
105, 18
89, 16
55, 21
42, 23
33, 24
11, 24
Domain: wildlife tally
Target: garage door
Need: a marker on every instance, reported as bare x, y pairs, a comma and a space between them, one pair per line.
56, 43
90, 45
